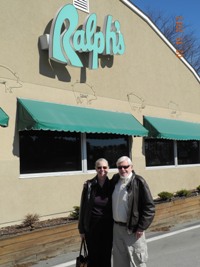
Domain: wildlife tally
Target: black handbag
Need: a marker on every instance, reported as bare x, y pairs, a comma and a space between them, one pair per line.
82, 259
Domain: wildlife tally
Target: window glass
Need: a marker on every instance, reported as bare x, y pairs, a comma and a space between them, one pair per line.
108, 146
188, 152
159, 152
49, 151
53, 151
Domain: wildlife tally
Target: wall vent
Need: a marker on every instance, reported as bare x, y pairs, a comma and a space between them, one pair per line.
82, 5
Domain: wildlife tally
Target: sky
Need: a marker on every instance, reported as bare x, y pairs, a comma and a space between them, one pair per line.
188, 9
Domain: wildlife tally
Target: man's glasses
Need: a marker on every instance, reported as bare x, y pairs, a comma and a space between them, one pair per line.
123, 167
102, 167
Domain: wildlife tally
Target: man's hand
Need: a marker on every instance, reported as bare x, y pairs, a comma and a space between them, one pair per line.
138, 233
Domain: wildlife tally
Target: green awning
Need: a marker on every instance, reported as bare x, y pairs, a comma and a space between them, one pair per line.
36, 115
3, 118
172, 129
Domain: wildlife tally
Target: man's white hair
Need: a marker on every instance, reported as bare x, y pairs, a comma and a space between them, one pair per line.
124, 158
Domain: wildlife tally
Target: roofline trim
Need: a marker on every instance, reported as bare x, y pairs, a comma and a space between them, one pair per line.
161, 35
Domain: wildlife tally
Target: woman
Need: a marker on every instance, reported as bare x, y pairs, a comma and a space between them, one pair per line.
95, 220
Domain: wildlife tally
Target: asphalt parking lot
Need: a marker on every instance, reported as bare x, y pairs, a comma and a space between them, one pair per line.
174, 248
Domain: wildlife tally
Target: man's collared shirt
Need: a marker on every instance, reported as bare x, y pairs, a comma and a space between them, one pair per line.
120, 199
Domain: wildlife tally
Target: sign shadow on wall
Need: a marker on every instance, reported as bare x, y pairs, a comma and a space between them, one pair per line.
50, 68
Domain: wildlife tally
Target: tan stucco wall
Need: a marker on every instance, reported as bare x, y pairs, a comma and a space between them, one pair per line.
157, 82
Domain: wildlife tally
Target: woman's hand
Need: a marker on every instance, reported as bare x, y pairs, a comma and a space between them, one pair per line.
82, 236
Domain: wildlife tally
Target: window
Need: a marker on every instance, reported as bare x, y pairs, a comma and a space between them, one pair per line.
163, 152
108, 146
188, 152
49, 151
159, 152
54, 151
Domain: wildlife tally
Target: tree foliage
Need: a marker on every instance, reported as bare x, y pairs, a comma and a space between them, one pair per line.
181, 36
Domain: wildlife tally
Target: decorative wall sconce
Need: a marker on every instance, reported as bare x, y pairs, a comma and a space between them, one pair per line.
174, 108
136, 102
9, 79
84, 93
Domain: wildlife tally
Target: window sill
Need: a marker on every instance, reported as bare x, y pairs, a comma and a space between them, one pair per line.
58, 174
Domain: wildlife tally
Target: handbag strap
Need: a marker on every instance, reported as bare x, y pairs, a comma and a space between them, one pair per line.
84, 248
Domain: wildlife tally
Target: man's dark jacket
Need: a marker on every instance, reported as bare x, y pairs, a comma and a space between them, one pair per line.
141, 207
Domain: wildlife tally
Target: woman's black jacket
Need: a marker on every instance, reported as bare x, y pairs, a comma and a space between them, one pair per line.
87, 201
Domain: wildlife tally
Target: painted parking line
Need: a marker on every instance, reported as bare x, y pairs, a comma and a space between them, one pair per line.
67, 264
172, 233
71, 263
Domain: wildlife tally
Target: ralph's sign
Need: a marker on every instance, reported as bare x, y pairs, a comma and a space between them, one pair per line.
63, 44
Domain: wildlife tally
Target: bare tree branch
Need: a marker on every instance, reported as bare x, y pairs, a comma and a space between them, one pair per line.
184, 40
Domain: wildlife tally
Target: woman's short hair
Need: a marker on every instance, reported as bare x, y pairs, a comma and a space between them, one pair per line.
100, 160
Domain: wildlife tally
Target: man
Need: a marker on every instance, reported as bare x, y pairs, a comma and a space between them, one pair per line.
133, 212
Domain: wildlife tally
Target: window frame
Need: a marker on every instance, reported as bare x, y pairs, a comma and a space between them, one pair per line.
83, 138
175, 165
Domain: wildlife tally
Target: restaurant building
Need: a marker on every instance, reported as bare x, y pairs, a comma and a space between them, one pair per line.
80, 80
